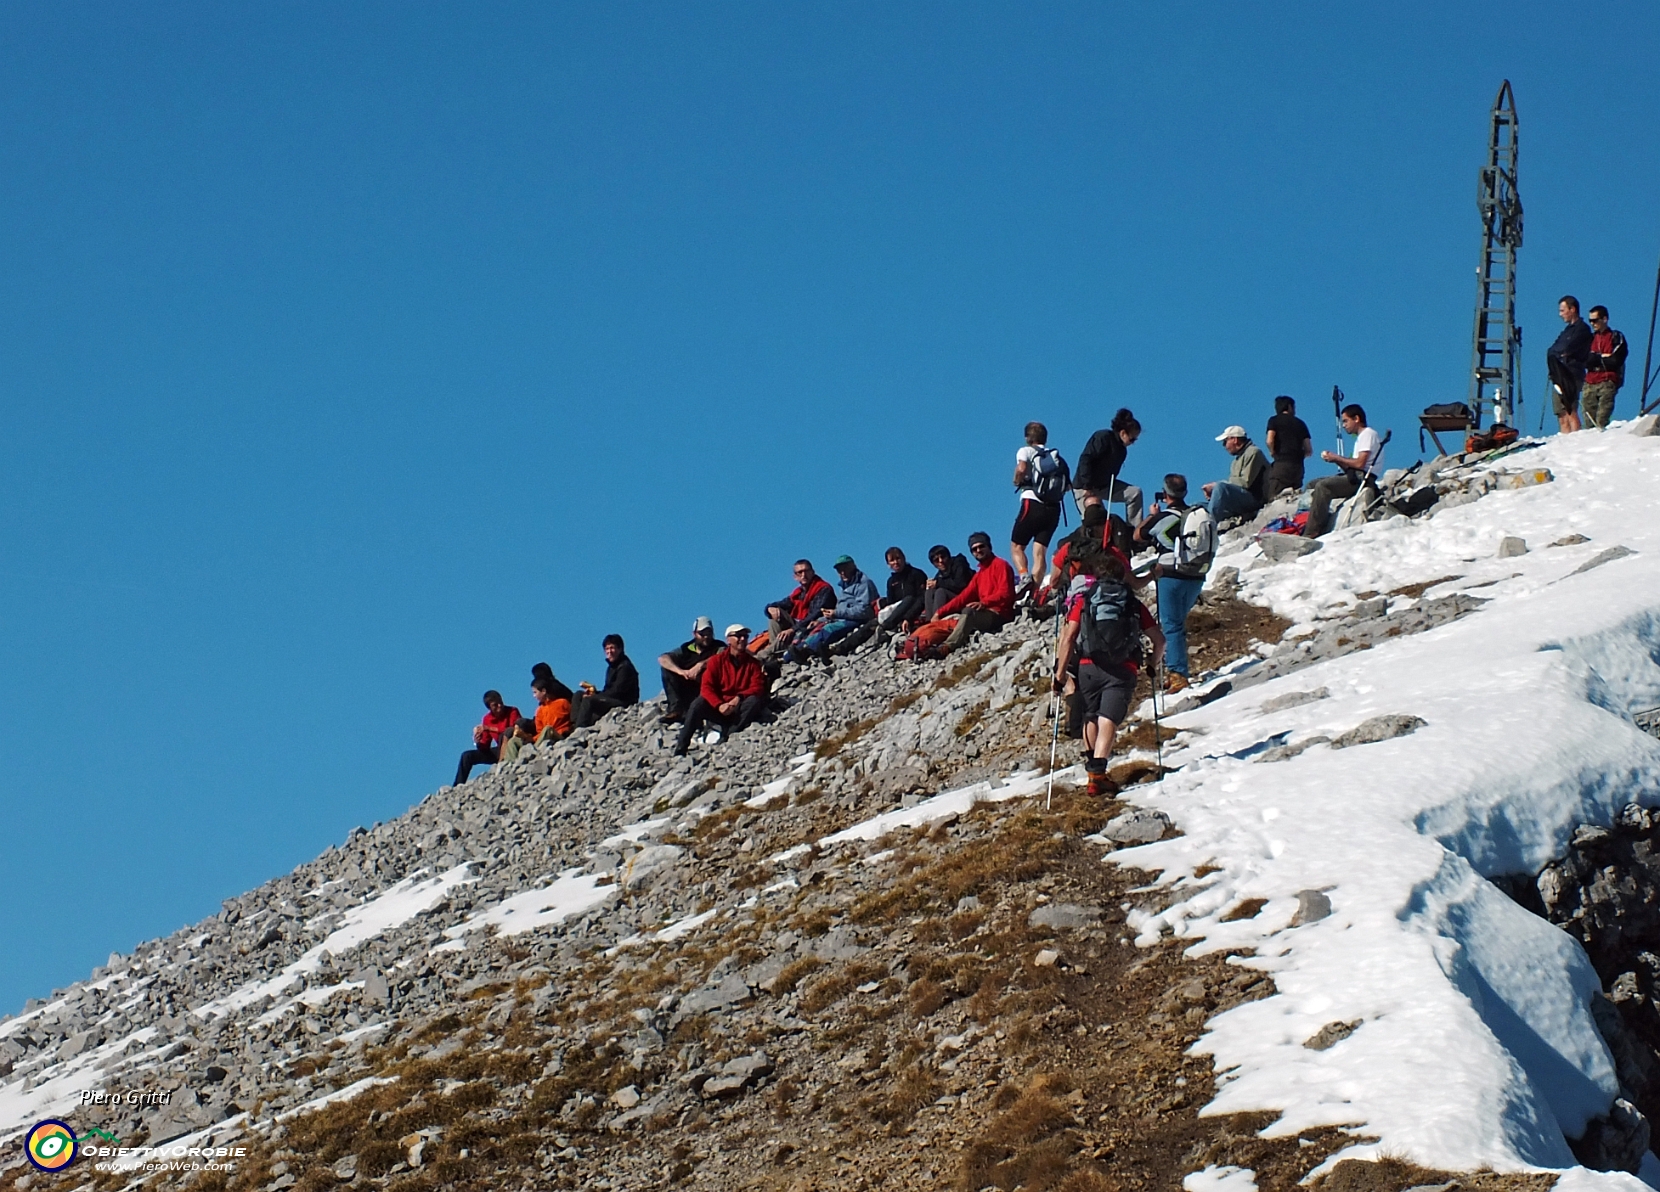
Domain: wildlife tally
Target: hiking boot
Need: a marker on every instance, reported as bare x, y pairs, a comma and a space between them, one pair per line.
1102, 787
670, 718
1174, 682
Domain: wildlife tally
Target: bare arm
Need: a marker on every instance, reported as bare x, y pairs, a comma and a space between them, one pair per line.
1063, 653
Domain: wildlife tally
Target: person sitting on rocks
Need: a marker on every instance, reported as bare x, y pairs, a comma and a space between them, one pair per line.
1104, 624
907, 600
487, 737
732, 692
952, 573
621, 690
987, 604
543, 671
553, 713
810, 600
1242, 494
1358, 469
523, 734
683, 669
855, 607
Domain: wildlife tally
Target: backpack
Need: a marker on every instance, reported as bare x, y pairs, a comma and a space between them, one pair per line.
1449, 409
1109, 632
925, 643
1050, 476
1195, 544
1491, 438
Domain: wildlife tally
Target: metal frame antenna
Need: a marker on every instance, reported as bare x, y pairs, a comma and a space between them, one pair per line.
1497, 340
1649, 377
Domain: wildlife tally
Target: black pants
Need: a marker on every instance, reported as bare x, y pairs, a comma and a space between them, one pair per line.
934, 597
678, 693
702, 712
1284, 474
587, 707
1320, 496
484, 755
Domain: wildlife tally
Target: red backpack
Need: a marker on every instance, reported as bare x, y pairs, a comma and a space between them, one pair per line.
927, 642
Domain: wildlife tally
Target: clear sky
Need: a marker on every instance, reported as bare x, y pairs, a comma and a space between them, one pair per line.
354, 357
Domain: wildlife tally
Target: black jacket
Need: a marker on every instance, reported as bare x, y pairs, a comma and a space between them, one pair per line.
1573, 347
911, 583
622, 682
955, 575
1101, 459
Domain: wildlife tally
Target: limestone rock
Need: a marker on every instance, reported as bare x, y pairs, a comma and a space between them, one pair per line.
1279, 547
1378, 728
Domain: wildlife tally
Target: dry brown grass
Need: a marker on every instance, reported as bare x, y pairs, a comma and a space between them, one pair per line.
1029, 1145
1250, 908
835, 743
830, 989
792, 973
962, 669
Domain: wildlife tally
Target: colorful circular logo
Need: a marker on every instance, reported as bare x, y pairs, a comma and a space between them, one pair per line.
51, 1145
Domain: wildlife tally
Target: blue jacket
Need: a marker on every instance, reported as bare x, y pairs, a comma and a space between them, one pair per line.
855, 598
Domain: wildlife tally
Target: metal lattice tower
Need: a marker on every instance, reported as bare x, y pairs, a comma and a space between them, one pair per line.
1498, 341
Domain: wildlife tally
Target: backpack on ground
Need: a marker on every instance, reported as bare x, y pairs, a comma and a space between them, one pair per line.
926, 642
1050, 478
1495, 436
1109, 632
1449, 409
1195, 543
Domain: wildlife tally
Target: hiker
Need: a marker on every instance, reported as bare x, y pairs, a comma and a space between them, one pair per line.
543, 671
621, 690
682, 669
487, 737
812, 596
1041, 479
553, 713
1289, 443
987, 604
1099, 478
855, 607
1565, 360
523, 734
1242, 494
907, 599
1104, 624
952, 574
1185, 536
731, 694
1358, 469
1604, 369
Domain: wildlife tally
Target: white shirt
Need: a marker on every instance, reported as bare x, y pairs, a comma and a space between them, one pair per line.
1028, 455
1369, 440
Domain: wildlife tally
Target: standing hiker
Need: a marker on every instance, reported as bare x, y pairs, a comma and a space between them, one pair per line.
1604, 369
1185, 536
1358, 468
1099, 479
1565, 360
1041, 479
1104, 624
1290, 444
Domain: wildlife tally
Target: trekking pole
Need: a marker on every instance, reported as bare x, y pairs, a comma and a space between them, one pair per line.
1337, 414
1056, 702
1158, 739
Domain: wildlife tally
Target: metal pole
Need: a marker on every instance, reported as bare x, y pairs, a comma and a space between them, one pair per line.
1337, 415
1648, 377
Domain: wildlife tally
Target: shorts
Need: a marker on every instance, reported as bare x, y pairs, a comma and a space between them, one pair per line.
1106, 691
1563, 404
1036, 520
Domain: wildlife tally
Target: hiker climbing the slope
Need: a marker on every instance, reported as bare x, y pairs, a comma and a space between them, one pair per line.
1604, 369
1565, 360
1358, 469
1041, 479
855, 607
621, 690
809, 601
487, 736
1242, 494
1104, 625
732, 692
987, 604
1099, 478
1185, 537
907, 599
952, 573
682, 669
1289, 443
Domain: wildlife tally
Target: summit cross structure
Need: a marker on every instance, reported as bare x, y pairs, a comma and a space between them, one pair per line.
1497, 339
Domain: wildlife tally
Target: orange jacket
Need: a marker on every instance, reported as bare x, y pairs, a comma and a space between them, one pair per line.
555, 714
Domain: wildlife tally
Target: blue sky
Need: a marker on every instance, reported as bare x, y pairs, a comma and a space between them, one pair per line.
354, 357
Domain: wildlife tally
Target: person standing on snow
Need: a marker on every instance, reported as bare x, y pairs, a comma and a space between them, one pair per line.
1566, 359
1604, 369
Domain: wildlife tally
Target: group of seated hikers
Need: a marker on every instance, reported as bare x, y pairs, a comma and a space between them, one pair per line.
708, 685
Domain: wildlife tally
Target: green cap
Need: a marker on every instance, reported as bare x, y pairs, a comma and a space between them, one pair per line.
848, 559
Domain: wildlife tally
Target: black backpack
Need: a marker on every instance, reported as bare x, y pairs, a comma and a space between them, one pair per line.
1050, 476
1109, 632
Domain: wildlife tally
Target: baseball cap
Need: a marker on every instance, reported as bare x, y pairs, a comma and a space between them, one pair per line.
702, 623
1233, 432
843, 561
731, 629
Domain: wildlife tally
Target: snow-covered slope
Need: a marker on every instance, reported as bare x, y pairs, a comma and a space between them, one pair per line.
1473, 1044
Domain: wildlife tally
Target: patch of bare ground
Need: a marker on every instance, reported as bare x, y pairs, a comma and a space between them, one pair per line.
1395, 1175
1219, 631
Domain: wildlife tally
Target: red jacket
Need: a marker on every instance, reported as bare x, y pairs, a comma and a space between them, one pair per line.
726, 677
992, 586
800, 603
493, 728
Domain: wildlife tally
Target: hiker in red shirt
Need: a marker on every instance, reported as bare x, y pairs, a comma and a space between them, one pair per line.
732, 694
487, 737
1604, 370
811, 600
987, 604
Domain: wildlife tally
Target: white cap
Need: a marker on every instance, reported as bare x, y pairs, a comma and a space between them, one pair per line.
1233, 432
731, 629
701, 624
